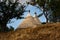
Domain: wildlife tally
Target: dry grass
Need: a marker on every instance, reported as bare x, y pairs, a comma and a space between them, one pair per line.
49, 31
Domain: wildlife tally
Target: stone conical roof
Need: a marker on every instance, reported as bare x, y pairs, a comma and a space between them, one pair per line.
36, 19
28, 22
29, 15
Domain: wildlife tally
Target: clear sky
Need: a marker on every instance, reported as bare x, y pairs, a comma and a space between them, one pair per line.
32, 9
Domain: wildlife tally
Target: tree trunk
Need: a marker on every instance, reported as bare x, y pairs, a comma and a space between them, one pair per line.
46, 20
46, 17
45, 14
3, 27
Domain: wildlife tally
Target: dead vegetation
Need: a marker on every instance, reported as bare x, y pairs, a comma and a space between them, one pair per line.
49, 31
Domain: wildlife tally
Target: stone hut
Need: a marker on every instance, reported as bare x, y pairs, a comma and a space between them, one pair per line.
30, 21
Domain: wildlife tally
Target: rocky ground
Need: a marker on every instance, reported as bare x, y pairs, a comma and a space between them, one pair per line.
49, 31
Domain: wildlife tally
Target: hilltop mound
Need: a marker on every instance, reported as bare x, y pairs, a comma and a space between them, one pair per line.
49, 31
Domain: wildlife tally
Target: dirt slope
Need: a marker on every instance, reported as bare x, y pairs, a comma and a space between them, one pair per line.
49, 31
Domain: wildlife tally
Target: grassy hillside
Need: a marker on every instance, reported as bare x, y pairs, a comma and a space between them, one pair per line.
49, 31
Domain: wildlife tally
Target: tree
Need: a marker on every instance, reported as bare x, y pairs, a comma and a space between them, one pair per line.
8, 11
55, 6
52, 6
44, 4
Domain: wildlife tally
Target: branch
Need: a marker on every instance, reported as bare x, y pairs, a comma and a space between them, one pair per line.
40, 15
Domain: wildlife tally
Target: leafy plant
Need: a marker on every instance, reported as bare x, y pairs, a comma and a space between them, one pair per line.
8, 11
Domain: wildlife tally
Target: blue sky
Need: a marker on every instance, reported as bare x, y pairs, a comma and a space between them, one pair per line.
32, 9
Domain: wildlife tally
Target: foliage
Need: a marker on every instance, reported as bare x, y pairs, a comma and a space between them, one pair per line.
11, 28
54, 6
8, 11
44, 5
47, 9
56, 10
